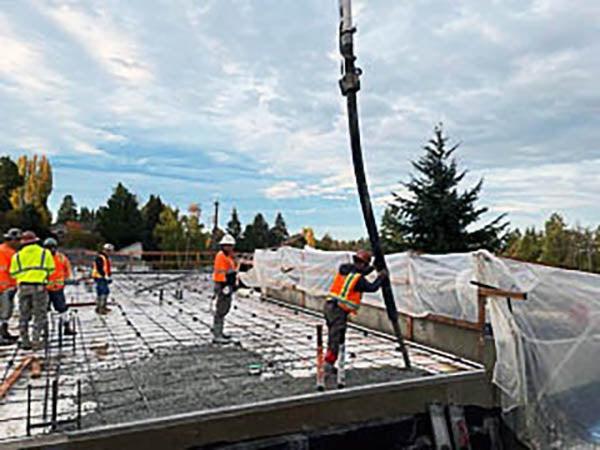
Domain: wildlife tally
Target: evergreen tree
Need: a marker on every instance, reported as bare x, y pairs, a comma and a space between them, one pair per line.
555, 248
234, 226
392, 235
10, 179
529, 247
169, 233
256, 235
435, 217
279, 233
120, 222
68, 210
87, 217
150, 217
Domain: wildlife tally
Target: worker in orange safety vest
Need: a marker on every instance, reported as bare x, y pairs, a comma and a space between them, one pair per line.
57, 281
224, 277
8, 285
344, 298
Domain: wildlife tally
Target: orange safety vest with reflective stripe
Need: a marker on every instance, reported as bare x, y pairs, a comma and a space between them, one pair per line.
105, 267
62, 272
6, 281
343, 291
223, 264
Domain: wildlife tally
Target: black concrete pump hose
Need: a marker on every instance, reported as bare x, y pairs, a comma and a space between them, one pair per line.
350, 85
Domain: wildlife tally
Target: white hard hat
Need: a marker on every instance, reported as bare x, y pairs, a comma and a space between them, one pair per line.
108, 247
227, 240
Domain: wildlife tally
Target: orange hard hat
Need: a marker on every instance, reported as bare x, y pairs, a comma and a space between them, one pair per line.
364, 256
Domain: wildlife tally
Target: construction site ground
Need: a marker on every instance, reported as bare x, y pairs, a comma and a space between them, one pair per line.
152, 357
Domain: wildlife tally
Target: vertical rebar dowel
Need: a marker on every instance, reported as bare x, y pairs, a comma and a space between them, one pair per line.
341, 375
54, 404
60, 334
28, 421
79, 404
72, 321
320, 359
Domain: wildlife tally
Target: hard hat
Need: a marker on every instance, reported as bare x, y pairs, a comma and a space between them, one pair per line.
227, 240
29, 237
50, 242
364, 256
108, 247
13, 234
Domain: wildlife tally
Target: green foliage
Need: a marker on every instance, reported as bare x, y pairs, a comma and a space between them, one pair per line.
68, 210
392, 234
279, 233
150, 217
169, 231
234, 226
256, 235
328, 243
120, 222
10, 179
435, 217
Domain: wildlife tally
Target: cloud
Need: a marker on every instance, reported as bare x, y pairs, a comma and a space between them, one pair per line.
238, 98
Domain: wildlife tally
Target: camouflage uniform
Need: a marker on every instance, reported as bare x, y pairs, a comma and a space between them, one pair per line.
33, 302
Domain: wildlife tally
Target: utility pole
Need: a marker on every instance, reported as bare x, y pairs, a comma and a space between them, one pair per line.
215, 229
350, 85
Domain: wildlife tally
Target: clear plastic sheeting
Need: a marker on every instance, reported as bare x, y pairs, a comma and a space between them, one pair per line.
548, 347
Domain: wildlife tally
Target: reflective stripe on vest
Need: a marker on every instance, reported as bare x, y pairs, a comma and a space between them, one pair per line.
105, 267
56, 281
343, 291
28, 271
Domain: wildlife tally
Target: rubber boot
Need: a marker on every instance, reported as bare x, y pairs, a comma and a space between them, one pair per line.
5, 336
218, 336
105, 308
98, 304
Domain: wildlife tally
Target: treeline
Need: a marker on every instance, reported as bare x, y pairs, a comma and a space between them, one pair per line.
25, 186
159, 226
557, 245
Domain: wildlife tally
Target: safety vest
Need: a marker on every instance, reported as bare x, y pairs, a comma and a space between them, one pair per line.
6, 281
105, 267
62, 272
32, 264
223, 264
343, 291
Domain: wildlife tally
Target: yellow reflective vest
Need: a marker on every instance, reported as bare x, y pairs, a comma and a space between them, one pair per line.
32, 264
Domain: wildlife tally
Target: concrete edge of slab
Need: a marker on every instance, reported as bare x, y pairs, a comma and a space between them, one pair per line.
280, 416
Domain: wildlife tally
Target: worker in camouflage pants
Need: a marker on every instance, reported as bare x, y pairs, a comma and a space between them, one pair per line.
33, 303
30, 267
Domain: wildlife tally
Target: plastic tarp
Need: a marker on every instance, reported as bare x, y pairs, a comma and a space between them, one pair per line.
548, 347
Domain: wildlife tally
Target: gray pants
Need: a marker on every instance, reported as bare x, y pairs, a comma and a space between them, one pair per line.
337, 321
33, 302
7, 304
222, 307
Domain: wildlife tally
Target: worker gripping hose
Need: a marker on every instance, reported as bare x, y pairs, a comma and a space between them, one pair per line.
350, 85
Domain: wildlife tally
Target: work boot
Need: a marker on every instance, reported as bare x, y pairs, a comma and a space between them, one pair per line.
68, 330
37, 345
5, 335
25, 345
221, 339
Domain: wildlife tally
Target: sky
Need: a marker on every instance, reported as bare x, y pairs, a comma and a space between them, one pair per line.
237, 100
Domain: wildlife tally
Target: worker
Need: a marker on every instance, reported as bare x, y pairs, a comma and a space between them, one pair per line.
56, 282
224, 277
101, 273
344, 298
8, 285
31, 266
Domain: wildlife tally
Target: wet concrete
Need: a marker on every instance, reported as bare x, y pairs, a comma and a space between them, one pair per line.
206, 377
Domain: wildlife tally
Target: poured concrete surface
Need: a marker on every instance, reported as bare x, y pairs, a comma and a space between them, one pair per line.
150, 357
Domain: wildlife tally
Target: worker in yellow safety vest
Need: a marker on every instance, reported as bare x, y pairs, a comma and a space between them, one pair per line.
102, 273
57, 281
344, 298
8, 285
224, 277
31, 266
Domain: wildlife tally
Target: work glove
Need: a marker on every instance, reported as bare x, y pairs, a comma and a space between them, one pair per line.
383, 273
109, 280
